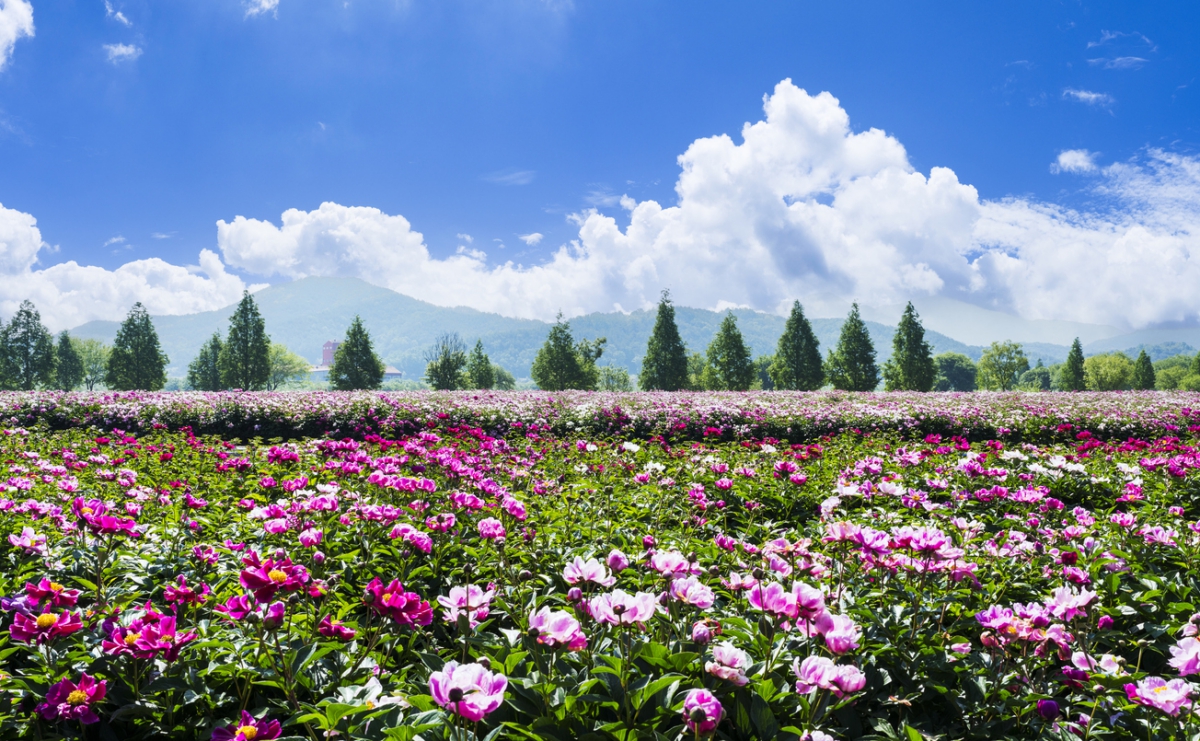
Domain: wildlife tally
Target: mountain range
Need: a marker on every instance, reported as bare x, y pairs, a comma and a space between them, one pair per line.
306, 313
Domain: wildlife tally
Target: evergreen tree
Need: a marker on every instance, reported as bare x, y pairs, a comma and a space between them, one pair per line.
446, 361
245, 359
285, 366
665, 367
355, 364
1071, 378
136, 361
479, 368
562, 364
68, 364
26, 351
204, 372
94, 355
911, 367
1143, 373
851, 365
729, 358
762, 373
1001, 366
797, 365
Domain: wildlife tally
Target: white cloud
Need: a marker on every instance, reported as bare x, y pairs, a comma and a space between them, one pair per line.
1103, 100
68, 294
114, 240
258, 7
530, 239
1074, 160
16, 20
804, 208
1118, 62
511, 177
466, 238
118, 53
115, 14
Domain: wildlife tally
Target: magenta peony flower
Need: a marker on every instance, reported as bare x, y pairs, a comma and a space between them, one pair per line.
471, 601
840, 632
67, 700
55, 594
406, 608
557, 629
729, 663
491, 529
617, 561
773, 598
183, 594
814, 673
161, 639
248, 728
270, 576
621, 608
467, 690
1156, 692
331, 628
45, 627
702, 711
590, 570
236, 608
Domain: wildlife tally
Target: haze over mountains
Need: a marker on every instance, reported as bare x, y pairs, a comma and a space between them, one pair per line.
304, 314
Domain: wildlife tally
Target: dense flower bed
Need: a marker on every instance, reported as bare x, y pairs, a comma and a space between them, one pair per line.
453, 584
1039, 417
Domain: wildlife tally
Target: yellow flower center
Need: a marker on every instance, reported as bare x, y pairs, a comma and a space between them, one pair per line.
55, 587
132, 638
88, 510
248, 732
1160, 689
77, 697
277, 576
46, 620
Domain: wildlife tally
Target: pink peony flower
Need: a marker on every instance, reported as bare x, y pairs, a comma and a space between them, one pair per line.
1185, 656
814, 673
621, 608
702, 711
670, 564
182, 594
691, 591
617, 561
331, 628
1156, 692
45, 627
773, 598
236, 608
248, 728
311, 537
270, 576
729, 663
55, 594
557, 629
161, 639
29, 541
590, 570
491, 529
73, 701
471, 601
406, 608
467, 690
840, 632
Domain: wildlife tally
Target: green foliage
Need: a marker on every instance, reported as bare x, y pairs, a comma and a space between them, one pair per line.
479, 369
697, 365
26, 351
504, 379
1001, 366
665, 365
614, 378
446, 363
93, 354
851, 365
245, 358
729, 359
762, 373
1168, 372
1037, 378
911, 367
355, 364
1143, 373
955, 372
1071, 378
561, 364
797, 363
1108, 372
204, 372
68, 366
285, 366
136, 362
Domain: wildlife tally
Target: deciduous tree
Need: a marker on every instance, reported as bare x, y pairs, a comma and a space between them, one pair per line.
1001, 366
285, 366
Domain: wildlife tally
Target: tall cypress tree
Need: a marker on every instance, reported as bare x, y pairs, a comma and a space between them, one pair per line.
26, 351
68, 364
851, 365
797, 365
355, 364
1143, 373
245, 358
204, 373
729, 358
665, 367
911, 367
136, 361
1071, 378
556, 365
479, 368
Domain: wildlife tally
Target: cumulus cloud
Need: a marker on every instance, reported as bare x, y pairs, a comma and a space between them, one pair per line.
258, 7
16, 20
68, 294
530, 239
803, 207
1074, 160
118, 53
1101, 100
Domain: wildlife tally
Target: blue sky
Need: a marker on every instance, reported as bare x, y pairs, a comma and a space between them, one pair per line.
129, 131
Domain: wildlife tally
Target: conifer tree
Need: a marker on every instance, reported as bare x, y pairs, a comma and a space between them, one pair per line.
355, 364
26, 351
797, 365
851, 365
245, 359
204, 372
479, 368
136, 361
665, 367
562, 364
68, 365
446, 361
911, 367
1071, 378
1143, 373
729, 358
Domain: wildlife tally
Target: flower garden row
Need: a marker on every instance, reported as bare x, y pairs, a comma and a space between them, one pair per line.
558, 584
796, 416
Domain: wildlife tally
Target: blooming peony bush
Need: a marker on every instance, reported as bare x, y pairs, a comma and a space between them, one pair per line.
461, 577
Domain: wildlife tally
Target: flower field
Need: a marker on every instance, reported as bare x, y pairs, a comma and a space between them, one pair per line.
587, 566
